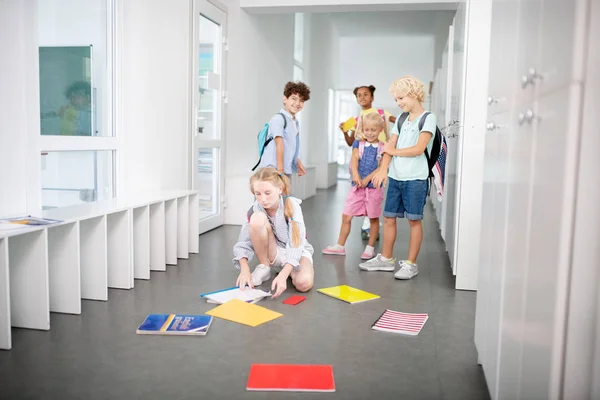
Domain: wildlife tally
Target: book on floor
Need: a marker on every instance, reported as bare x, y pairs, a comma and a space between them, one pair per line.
401, 323
223, 296
292, 378
293, 300
244, 313
348, 294
175, 324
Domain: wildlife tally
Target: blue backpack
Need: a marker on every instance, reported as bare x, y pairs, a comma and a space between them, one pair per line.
264, 139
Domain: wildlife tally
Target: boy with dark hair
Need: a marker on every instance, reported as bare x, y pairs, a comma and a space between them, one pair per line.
282, 152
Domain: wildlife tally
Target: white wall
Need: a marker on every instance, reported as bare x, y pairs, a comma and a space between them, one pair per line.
155, 120
379, 61
260, 62
19, 110
322, 75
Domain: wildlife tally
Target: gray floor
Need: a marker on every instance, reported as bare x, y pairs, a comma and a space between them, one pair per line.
97, 355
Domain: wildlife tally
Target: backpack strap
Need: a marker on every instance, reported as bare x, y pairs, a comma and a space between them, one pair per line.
361, 149
421, 125
381, 112
380, 147
400, 120
284, 120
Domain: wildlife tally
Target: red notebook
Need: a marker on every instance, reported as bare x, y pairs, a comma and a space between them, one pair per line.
293, 378
293, 300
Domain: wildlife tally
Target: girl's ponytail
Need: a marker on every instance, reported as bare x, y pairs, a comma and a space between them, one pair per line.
289, 211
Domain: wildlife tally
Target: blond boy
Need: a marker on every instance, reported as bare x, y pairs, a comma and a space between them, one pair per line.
408, 172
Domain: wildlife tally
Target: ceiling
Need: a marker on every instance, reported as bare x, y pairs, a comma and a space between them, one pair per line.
390, 23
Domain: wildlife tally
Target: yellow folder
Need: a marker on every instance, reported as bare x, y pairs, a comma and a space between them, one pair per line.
244, 313
349, 124
348, 294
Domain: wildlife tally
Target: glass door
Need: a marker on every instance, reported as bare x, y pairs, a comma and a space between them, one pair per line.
209, 99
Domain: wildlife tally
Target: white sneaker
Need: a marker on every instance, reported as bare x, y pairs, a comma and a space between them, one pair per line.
377, 264
260, 274
406, 270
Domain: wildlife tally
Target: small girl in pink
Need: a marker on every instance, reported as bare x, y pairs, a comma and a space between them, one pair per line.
364, 198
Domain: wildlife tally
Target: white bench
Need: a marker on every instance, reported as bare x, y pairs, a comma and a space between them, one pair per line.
99, 245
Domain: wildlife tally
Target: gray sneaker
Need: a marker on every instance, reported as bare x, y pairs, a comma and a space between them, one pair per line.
406, 270
377, 264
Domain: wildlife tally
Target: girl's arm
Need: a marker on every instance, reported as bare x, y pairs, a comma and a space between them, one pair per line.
243, 251
354, 167
349, 138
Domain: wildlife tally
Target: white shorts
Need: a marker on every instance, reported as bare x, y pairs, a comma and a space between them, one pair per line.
281, 256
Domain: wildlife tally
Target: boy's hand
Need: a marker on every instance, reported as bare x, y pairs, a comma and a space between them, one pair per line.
380, 178
389, 148
301, 169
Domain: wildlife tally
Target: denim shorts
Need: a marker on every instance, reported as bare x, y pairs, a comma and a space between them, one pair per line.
406, 199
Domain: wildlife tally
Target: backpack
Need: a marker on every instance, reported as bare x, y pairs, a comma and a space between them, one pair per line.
264, 139
436, 161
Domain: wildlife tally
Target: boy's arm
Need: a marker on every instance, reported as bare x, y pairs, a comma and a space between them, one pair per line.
416, 150
381, 173
279, 153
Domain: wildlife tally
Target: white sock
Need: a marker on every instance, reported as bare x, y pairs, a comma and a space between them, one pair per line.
369, 249
338, 246
385, 258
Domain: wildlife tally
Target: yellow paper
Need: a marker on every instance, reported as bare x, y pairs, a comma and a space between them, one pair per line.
349, 124
348, 294
244, 313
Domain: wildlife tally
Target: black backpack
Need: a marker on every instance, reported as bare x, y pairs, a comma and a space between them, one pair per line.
437, 141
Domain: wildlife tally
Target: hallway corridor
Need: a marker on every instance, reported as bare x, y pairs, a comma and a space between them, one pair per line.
97, 355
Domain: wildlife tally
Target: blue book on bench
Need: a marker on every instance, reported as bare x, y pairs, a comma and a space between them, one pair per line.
175, 324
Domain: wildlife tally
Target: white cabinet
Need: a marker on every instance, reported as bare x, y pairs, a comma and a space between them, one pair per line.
532, 165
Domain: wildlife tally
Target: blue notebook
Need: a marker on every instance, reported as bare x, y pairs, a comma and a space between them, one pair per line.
175, 324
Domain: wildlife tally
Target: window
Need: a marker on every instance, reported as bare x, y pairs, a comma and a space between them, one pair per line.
76, 101
299, 38
298, 47
73, 177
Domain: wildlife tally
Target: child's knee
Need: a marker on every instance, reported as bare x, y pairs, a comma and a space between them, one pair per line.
389, 221
258, 220
414, 223
346, 218
303, 283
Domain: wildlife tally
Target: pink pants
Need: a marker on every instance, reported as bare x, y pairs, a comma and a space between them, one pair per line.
364, 201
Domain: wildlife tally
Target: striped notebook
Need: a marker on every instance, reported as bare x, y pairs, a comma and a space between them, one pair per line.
402, 323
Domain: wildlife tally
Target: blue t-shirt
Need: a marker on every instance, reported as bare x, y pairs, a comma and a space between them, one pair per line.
412, 168
368, 163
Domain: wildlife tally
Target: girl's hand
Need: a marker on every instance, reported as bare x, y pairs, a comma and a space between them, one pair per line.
279, 285
356, 179
365, 182
244, 278
342, 127
389, 148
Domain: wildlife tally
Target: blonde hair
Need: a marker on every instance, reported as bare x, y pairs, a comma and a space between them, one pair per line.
375, 118
281, 181
408, 86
